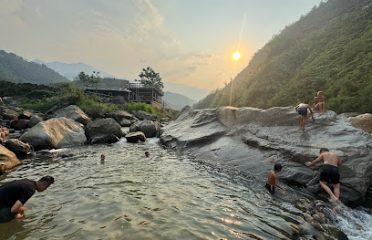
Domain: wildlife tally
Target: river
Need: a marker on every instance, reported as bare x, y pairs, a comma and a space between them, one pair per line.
165, 196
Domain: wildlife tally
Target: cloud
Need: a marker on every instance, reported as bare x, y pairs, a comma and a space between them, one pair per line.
120, 37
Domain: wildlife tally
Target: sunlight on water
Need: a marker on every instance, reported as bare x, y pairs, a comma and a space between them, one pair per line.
164, 196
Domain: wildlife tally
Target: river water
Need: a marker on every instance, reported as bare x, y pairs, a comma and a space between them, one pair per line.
165, 196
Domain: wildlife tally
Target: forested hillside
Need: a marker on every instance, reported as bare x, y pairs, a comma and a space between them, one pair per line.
15, 69
329, 49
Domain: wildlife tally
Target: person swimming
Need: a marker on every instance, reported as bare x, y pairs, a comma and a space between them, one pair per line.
147, 154
103, 157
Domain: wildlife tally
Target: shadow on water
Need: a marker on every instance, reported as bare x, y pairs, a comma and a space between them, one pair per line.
164, 196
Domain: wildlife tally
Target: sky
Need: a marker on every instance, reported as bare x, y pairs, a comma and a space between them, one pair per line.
189, 42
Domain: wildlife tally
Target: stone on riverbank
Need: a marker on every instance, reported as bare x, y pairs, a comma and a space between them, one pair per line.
20, 148
363, 121
35, 119
73, 112
135, 137
124, 118
8, 159
149, 128
55, 133
251, 140
142, 115
100, 130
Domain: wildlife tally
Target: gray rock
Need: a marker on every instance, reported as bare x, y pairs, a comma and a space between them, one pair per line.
142, 115
135, 137
363, 121
8, 159
97, 113
149, 128
73, 112
103, 129
35, 119
20, 124
104, 139
55, 133
134, 127
20, 148
125, 122
251, 140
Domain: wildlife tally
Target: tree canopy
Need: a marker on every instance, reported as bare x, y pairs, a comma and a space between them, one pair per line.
149, 78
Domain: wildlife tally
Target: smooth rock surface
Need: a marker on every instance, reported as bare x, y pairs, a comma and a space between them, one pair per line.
8, 159
35, 119
20, 148
55, 133
363, 121
135, 137
149, 128
73, 112
251, 140
103, 129
142, 115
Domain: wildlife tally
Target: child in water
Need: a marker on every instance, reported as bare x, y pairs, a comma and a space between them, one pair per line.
272, 178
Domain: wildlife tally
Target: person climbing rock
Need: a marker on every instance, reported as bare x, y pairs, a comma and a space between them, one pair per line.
272, 178
329, 173
302, 110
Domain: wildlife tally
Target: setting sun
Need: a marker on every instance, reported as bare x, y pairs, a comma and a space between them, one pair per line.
236, 56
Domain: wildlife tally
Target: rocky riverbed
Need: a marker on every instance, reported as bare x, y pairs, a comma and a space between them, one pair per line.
251, 140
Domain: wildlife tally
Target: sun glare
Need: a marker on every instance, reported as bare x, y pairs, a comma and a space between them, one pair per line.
236, 56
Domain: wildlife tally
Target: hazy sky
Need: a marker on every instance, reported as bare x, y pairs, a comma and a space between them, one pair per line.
188, 41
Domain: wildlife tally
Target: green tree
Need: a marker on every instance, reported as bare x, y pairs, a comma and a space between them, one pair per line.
150, 78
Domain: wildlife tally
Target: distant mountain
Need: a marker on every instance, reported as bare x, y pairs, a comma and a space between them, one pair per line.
190, 92
177, 101
16, 69
71, 70
329, 49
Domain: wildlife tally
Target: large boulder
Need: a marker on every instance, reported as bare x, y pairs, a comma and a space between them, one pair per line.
101, 130
20, 148
35, 119
251, 140
96, 113
135, 137
55, 133
8, 159
363, 121
8, 113
142, 115
149, 128
20, 124
124, 118
73, 112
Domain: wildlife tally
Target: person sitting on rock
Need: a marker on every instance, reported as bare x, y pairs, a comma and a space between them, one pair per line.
328, 173
320, 102
13, 195
302, 110
272, 178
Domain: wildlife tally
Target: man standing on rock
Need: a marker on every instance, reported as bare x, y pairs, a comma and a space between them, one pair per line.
301, 109
328, 173
14, 195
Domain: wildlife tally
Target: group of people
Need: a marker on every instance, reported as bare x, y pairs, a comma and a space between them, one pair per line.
329, 173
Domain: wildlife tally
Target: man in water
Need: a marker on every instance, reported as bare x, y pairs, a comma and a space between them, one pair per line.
103, 157
13, 195
147, 154
328, 173
302, 110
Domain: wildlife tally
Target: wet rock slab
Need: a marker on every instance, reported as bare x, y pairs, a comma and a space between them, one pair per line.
251, 140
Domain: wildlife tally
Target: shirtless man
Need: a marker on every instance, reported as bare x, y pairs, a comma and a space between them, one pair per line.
328, 172
301, 109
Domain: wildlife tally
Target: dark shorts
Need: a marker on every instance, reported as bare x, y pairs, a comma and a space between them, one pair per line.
6, 215
302, 111
329, 174
270, 188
